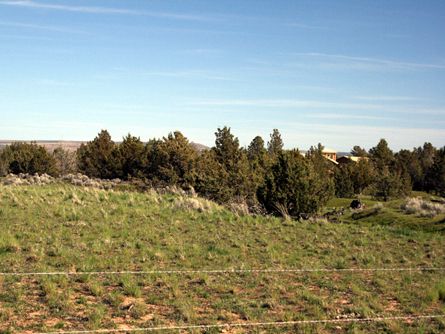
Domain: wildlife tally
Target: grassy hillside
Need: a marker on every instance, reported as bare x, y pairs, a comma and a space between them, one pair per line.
66, 228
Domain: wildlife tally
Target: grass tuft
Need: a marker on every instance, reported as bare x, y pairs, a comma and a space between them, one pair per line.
422, 207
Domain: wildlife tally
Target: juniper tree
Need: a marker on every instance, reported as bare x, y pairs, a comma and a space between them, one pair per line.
130, 158
27, 158
390, 181
172, 160
232, 169
211, 178
344, 180
381, 155
363, 175
256, 150
357, 151
96, 158
293, 186
275, 144
435, 176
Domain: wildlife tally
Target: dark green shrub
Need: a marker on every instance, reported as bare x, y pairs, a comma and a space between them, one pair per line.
172, 161
129, 158
96, 158
293, 186
435, 176
27, 158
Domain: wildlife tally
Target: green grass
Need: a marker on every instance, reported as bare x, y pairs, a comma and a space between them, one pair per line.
61, 227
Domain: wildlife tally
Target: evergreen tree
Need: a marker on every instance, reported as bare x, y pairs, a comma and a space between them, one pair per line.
381, 155
391, 178
27, 158
293, 186
435, 176
363, 176
256, 150
391, 185
344, 183
211, 178
275, 144
130, 158
172, 161
427, 155
3, 166
226, 148
357, 151
322, 165
425, 159
234, 173
97, 157
259, 161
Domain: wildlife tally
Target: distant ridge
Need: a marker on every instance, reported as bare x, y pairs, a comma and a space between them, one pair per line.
199, 147
72, 145
50, 145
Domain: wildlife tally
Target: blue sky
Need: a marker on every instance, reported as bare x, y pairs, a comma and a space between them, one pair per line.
342, 73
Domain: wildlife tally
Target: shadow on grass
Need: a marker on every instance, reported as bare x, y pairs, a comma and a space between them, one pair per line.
398, 220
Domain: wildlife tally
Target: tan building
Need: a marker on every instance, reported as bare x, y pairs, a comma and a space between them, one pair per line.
330, 154
346, 159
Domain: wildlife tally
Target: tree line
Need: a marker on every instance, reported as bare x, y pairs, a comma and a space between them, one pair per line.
268, 178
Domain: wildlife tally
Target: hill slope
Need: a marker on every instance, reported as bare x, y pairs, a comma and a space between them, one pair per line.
66, 228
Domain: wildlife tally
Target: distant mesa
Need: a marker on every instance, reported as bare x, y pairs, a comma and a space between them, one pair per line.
72, 146
50, 145
199, 147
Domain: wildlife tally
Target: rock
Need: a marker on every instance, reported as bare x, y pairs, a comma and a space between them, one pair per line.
239, 208
191, 192
356, 204
11, 179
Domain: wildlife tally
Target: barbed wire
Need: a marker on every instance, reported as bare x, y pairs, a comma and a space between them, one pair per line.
253, 324
218, 271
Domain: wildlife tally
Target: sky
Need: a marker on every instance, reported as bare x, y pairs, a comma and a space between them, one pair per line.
342, 73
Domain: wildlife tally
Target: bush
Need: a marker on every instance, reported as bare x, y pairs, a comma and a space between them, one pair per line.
344, 185
3, 166
65, 161
172, 161
435, 176
422, 208
28, 159
95, 158
390, 184
224, 174
211, 178
129, 158
292, 186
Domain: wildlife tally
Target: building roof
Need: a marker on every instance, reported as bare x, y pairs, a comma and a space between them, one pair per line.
329, 150
352, 158
332, 160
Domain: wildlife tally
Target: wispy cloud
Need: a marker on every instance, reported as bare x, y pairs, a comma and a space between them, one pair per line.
387, 98
202, 51
305, 26
107, 10
40, 27
190, 74
343, 136
285, 103
334, 116
316, 105
26, 37
349, 135
367, 63
180, 74
53, 83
